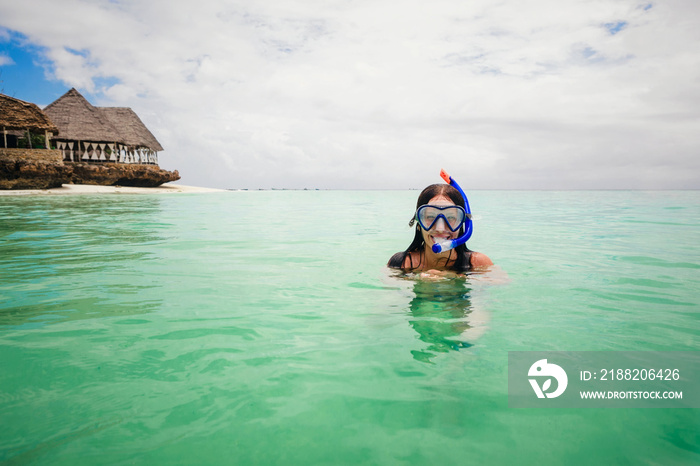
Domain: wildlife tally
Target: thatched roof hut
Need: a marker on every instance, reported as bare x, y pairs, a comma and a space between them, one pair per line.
78, 120
17, 114
91, 131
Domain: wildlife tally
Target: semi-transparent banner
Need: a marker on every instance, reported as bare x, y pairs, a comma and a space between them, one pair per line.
604, 379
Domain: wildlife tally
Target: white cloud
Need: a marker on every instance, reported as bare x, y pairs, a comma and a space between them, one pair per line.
366, 93
5, 59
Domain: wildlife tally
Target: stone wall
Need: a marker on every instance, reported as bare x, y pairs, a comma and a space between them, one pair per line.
32, 155
44, 169
32, 169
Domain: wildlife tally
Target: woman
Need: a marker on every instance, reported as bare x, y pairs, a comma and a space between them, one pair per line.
438, 220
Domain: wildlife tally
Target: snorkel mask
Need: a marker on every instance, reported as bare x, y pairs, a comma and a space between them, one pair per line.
450, 218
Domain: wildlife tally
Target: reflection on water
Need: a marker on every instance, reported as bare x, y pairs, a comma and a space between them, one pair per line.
440, 314
77, 257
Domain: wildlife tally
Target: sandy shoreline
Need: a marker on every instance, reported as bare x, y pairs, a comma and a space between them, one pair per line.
165, 188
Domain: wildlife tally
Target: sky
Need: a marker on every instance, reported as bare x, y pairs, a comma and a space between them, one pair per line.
381, 94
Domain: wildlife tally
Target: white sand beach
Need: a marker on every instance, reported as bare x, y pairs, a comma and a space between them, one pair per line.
165, 188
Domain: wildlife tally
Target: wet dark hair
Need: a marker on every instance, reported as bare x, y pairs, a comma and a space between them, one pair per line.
418, 244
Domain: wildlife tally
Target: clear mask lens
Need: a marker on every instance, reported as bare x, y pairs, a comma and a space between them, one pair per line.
428, 215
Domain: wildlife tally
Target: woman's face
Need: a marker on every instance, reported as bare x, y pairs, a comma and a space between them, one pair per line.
440, 231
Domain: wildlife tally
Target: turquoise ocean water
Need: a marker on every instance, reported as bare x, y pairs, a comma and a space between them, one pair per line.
263, 328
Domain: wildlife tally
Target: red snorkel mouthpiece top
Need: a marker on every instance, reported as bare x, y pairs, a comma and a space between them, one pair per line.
445, 176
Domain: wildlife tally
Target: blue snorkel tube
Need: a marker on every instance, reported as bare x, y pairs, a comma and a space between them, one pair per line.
453, 243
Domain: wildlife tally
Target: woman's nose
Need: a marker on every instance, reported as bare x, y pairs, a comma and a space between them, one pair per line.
440, 224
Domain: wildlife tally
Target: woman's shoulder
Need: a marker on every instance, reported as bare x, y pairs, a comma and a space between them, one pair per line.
396, 261
403, 260
479, 259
